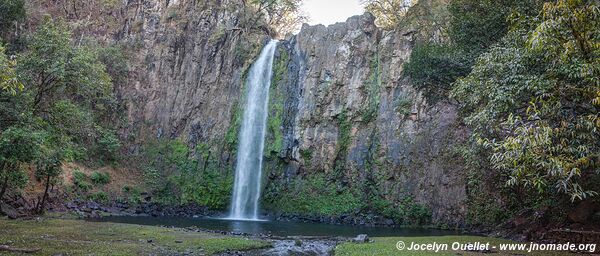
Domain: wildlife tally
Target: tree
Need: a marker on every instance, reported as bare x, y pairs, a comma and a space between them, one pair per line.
388, 13
531, 100
9, 81
284, 16
53, 68
474, 26
48, 169
12, 11
18, 146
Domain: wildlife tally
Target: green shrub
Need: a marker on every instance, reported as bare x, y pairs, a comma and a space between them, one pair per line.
108, 145
306, 154
80, 180
99, 197
313, 195
404, 212
133, 194
100, 178
403, 105
209, 188
434, 67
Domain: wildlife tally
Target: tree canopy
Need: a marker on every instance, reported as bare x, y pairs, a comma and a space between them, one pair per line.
388, 13
531, 99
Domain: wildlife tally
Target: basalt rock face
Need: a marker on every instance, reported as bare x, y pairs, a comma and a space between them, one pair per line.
351, 114
339, 103
188, 68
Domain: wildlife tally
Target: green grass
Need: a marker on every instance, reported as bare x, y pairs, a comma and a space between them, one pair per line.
387, 246
78, 237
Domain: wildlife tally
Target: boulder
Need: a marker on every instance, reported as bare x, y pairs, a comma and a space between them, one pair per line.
362, 238
10, 211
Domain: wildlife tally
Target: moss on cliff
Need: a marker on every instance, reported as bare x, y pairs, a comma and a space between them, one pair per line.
314, 195
276, 99
371, 87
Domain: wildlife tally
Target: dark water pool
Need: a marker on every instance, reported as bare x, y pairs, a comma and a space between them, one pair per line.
276, 228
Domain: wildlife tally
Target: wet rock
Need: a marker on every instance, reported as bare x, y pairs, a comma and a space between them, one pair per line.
10, 212
362, 238
187, 81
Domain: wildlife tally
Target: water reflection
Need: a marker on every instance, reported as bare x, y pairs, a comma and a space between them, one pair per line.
277, 228
250, 227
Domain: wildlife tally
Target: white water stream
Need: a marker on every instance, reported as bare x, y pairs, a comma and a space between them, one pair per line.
248, 171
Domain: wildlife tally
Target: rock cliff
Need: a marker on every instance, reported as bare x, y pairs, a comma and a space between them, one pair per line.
340, 106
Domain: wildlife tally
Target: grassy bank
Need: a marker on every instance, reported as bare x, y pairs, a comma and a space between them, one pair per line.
78, 237
387, 246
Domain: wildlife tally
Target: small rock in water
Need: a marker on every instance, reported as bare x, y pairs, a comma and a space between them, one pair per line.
362, 238
178, 241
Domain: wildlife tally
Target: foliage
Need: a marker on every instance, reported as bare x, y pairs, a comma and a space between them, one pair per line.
70, 122
49, 166
18, 146
285, 16
474, 26
388, 13
48, 169
114, 58
313, 195
306, 154
433, 68
530, 100
62, 89
99, 197
402, 105
12, 11
108, 144
100, 178
80, 179
276, 109
231, 137
174, 176
54, 69
372, 90
343, 143
404, 212
133, 194
9, 81
209, 188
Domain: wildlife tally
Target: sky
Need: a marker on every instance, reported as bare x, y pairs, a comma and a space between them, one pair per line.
328, 12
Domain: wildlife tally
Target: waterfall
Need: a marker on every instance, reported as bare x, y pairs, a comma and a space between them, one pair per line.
248, 171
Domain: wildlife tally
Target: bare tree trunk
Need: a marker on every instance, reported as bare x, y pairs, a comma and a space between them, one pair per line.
4, 185
43, 202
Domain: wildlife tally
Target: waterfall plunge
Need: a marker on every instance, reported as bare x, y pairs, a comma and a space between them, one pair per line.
248, 171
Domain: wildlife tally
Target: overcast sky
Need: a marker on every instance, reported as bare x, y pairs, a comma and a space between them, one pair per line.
328, 12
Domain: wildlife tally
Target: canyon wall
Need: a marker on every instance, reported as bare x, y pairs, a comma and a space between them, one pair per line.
340, 106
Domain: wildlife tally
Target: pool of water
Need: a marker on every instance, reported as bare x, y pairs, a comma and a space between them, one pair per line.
276, 228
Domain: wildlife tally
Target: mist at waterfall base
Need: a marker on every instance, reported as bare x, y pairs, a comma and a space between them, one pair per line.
248, 171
